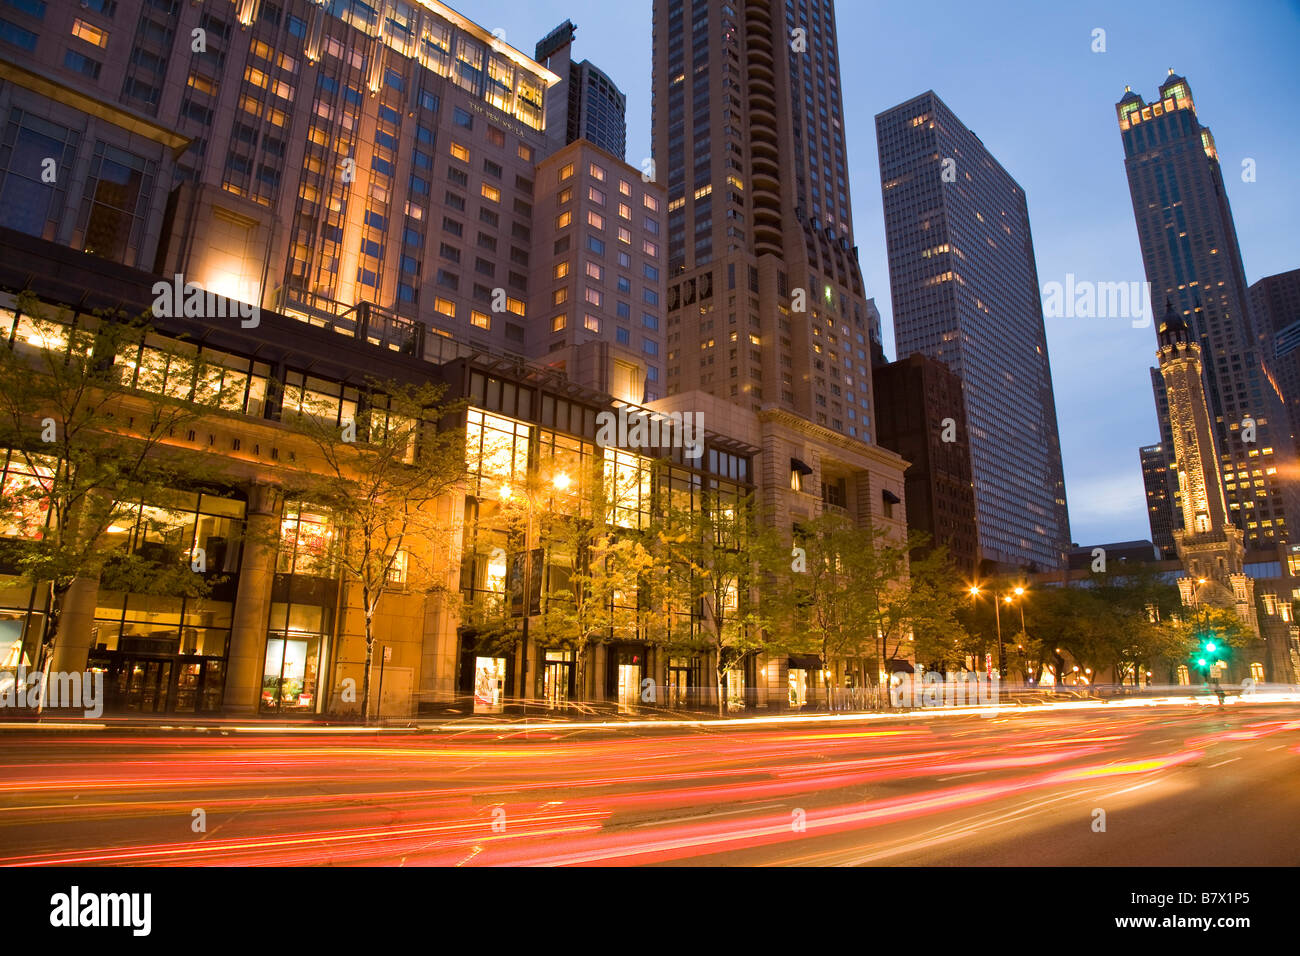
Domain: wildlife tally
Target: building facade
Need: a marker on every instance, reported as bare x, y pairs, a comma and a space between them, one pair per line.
1159, 498
921, 415
1275, 301
587, 104
600, 287
964, 288
1193, 261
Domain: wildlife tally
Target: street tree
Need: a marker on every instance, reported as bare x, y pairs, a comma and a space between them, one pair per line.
93, 410
385, 476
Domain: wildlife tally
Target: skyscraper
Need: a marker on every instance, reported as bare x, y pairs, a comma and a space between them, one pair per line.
1192, 259
765, 301
964, 287
1275, 303
1160, 499
765, 297
586, 103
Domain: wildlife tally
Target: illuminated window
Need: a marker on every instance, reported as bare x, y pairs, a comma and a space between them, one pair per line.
559, 322
595, 219
597, 173
566, 171
563, 219
515, 305
561, 269
459, 151
624, 234
89, 32
651, 202
593, 323
649, 248
595, 270
445, 306
491, 193
525, 153
560, 296
480, 319
595, 297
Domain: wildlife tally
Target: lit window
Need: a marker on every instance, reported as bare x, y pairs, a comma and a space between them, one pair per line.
596, 196
650, 249
566, 171
445, 306
595, 271
595, 219
560, 296
561, 269
525, 153
624, 187
595, 297
624, 234
593, 324
460, 152
624, 211
563, 219
597, 173
491, 193
480, 319
651, 202
89, 32
559, 322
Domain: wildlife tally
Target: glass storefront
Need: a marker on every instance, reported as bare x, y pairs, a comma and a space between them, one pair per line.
557, 677
489, 684
294, 651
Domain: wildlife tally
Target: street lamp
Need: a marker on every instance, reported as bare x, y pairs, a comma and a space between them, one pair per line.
1008, 598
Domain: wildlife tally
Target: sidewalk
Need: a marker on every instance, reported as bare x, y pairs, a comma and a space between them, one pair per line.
513, 718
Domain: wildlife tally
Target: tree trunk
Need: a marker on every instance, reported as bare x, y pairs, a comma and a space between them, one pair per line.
365, 678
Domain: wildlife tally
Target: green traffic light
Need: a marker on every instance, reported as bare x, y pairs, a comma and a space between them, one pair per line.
1201, 662
1211, 646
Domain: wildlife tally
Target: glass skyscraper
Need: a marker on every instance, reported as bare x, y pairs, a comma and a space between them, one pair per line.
965, 291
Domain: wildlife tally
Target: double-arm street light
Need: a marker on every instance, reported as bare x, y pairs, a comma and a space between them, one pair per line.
1008, 597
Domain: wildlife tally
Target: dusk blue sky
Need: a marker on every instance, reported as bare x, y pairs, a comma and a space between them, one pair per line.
1023, 76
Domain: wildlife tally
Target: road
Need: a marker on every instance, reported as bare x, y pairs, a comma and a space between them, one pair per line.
1170, 785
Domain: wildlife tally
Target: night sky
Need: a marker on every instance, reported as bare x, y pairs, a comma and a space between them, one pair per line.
1024, 77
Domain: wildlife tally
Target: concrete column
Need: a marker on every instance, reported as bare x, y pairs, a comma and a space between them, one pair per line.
72, 644
253, 601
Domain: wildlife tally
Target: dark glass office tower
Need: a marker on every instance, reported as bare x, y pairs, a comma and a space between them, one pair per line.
965, 291
1192, 260
1275, 303
766, 306
1160, 499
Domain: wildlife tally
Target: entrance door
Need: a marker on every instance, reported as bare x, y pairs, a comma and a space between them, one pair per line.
141, 684
489, 684
629, 685
556, 680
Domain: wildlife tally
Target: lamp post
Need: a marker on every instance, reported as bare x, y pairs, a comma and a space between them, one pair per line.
1007, 597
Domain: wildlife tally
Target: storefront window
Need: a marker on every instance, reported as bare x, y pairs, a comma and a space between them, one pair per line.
489, 684
294, 658
306, 541
24, 488
496, 452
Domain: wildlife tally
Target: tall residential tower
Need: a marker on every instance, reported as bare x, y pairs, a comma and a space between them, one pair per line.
1192, 259
965, 291
766, 308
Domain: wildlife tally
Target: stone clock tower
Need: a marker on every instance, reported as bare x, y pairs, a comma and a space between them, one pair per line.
1211, 548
